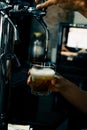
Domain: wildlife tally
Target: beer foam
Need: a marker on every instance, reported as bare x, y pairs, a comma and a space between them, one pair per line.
42, 72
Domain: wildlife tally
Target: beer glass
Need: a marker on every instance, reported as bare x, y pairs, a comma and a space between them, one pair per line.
41, 78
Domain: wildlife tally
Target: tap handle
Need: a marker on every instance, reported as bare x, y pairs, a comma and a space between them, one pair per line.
36, 12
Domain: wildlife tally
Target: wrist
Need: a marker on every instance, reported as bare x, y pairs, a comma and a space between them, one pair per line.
66, 86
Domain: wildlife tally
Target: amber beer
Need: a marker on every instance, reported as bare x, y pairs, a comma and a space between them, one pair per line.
41, 79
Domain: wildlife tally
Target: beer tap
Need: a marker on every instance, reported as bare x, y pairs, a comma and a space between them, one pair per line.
39, 14
7, 50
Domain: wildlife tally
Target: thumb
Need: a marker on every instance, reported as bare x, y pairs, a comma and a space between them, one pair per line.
54, 86
45, 4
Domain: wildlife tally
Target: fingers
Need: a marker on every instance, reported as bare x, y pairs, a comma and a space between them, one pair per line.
45, 4
56, 83
53, 89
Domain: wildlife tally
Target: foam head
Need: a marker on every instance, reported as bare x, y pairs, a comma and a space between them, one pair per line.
42, 72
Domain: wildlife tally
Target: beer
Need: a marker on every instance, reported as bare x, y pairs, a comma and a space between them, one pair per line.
41, 79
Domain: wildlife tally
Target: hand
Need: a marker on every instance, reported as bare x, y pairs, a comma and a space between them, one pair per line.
61, 3
46, 3
58, 83
73, 5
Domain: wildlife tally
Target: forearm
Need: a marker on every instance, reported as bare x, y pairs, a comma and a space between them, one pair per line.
75, 96
75, 5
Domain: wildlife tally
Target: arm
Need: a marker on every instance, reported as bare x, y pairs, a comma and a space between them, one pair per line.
71, 92
75, 5
68, 90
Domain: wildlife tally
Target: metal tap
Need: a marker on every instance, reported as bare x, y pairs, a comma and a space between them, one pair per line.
39, 14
